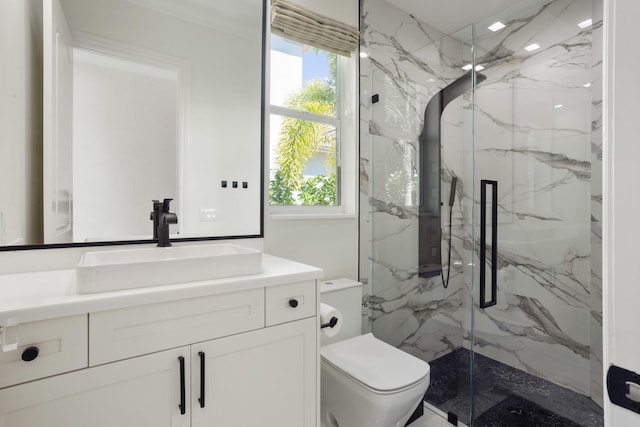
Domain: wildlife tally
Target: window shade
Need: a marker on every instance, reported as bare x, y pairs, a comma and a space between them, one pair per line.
296, 23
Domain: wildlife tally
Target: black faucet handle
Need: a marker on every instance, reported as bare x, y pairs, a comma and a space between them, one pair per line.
156, 209
165, 205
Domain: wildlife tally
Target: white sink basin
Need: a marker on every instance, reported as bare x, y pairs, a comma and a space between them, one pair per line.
100, 271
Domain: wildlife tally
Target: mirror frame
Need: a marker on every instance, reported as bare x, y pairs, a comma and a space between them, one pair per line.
188, 239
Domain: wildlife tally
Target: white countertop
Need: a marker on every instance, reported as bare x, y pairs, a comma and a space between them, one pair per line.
29, 297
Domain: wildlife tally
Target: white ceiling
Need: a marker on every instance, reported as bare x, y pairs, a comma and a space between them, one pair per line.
451, 15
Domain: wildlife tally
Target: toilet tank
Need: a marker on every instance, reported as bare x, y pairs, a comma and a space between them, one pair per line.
346, 296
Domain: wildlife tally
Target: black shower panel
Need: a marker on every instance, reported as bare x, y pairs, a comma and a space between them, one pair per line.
430, 225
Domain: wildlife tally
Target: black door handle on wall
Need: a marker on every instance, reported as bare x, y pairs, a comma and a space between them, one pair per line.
202, 377
483, 242
183, 390
623, 387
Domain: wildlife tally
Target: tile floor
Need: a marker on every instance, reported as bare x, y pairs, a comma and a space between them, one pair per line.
503, 395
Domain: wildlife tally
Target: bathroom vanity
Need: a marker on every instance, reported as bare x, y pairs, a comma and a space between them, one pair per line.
236, 351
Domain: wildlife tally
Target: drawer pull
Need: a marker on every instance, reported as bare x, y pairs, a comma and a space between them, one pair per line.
30, 353
293, 303
183, 389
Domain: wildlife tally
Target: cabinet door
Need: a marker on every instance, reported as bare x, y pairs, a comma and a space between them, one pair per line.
263, 378
143, 391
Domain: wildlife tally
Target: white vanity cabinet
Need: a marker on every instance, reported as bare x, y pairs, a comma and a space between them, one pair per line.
142, 391
234, 359
261, 378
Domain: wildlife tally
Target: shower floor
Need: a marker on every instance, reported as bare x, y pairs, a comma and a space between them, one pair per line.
505, 396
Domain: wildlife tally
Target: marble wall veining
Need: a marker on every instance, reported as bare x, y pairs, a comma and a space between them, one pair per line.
532, 127
596, 206
535, 128
409, 62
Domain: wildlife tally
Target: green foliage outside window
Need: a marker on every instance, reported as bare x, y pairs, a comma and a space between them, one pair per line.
279, 192
315, 191
319, 190
301, 140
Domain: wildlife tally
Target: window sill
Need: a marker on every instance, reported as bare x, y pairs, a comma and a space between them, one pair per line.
281, 216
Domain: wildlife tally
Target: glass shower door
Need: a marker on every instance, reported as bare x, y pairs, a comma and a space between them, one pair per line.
535, 338
418, 221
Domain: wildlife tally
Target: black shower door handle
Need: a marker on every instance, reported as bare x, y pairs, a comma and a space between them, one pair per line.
483, 242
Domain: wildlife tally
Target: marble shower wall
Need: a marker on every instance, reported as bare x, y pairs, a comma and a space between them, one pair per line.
408, 63
596, 206
533, 135
548, 312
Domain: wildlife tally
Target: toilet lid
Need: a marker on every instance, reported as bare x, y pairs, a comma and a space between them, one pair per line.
374, 363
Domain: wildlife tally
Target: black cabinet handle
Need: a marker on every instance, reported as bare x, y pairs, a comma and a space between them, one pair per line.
483, 242
183, 389
293, 303
30, 354
202, 377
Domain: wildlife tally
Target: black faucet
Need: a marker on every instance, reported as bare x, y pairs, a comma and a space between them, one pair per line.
155, 215
161, 218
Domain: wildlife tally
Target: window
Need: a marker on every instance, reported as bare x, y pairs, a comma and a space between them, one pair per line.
305, 125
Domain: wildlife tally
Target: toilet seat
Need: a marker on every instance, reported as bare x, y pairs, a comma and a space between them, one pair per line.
375, 364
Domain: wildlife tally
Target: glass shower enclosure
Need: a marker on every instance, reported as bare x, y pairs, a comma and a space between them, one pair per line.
480, 207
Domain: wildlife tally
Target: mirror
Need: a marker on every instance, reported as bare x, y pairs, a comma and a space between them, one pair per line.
110, 104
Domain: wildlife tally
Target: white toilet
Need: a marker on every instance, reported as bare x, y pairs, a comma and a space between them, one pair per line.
364, 381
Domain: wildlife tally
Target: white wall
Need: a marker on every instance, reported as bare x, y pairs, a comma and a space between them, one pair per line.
20, 121
621, 201
331, 244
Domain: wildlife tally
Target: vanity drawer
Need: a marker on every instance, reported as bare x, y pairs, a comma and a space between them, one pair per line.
119, 334
61, 347
286, 303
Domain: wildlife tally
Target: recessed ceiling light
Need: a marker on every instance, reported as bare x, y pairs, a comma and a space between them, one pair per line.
468, 67
558, 106
364, 55
496, 26
585, 24
587, 85
532, 47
